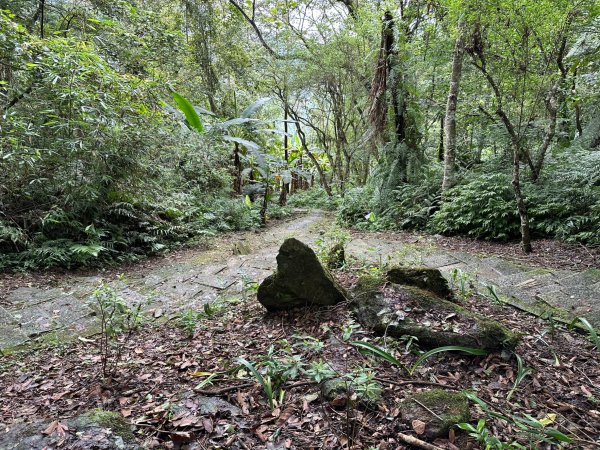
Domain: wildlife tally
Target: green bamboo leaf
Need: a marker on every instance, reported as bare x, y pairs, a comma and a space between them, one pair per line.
265, 383
449, 348
191, 116
370, 348
555, 434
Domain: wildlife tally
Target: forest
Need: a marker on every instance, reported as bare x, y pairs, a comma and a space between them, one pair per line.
477, 119
140, 131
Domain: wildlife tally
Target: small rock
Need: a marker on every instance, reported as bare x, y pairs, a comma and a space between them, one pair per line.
336, 257
340, 392
435, 411
421, 277
300, 280
241, 248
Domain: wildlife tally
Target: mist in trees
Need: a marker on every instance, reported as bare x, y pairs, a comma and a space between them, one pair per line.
453, 117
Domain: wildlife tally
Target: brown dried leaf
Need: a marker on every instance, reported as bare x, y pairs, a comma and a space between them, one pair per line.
419, 426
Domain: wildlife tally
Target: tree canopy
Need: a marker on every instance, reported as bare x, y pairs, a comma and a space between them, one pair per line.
457, 117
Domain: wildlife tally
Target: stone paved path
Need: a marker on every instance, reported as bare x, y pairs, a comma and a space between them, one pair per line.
562, 294
59, 313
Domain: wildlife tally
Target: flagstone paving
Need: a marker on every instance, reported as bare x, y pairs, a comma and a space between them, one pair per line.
62, 312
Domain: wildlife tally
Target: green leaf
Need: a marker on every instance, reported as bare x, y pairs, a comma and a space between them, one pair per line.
593, 335
449, 348
191, 116
246, 143
254, 107
555, 434
266, 384
236, 121
370, 348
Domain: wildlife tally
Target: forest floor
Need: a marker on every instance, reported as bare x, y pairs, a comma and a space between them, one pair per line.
161, 384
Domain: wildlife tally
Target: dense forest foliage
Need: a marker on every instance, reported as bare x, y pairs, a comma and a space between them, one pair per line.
477, 118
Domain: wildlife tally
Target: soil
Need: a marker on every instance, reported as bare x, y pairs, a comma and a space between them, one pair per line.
163, 364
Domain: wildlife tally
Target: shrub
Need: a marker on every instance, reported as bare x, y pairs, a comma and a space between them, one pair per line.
355, 207
315, 197
484, 207
413, 204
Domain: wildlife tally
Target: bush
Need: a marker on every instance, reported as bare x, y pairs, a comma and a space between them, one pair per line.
315, 197
413, 204
355, 208
565, 203
484, 207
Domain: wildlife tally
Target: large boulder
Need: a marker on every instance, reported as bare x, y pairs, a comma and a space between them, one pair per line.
397, 311
300, 280
422, 277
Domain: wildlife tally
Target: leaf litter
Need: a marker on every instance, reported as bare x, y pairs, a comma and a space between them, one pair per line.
163, 388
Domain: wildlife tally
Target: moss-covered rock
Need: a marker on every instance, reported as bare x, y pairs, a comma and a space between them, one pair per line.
336, 256
408, 311
300, 280
438, 409
422, 277
369, 281
340, 392
106, 419
97, 429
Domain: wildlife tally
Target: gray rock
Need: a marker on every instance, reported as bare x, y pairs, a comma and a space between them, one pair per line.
438, 409
300, 280
421, 277
390, 313
97, 429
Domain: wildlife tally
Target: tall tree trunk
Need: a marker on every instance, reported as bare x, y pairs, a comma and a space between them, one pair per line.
516, 182
578, 125
285, 186
450, 118
237, 169
516, 148
441, 144
42, 17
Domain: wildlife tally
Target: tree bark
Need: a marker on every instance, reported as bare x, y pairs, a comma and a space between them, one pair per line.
285, 186
441, 144
516, 182
237, 169
516, 148
449, 179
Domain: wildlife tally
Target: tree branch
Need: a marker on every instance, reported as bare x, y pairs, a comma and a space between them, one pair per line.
251, 21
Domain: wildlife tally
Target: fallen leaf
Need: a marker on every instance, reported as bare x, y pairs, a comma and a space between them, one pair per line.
419, 426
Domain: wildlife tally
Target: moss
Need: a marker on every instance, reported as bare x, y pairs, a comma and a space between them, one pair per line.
108, 419
370, 281
491, 334
450, 408
422, 277
427, 300
593, 274
539, 271
374, 310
